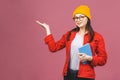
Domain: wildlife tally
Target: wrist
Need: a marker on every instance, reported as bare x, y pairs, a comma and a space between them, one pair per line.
90, 58
48, 31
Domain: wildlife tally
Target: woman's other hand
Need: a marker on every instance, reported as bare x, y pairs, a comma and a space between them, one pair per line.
84, 57
45, 26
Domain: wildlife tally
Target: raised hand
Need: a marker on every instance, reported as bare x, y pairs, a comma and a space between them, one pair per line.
45, 26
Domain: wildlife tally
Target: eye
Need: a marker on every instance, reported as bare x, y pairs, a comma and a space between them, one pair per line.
76, 18
82, 16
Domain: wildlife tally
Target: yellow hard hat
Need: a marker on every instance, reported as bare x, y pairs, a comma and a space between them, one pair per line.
82, 9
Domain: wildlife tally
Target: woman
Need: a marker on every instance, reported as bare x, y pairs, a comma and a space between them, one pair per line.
74, 68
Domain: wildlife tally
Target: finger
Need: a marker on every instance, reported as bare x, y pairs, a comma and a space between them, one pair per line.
39, 22
81, 54
81, 57
82, 60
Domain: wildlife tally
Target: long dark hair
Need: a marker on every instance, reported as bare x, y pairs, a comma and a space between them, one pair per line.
88, 28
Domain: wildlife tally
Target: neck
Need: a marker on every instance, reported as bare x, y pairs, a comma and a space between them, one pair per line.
82, 31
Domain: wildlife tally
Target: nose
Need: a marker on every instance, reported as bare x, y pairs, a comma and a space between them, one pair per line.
79, 19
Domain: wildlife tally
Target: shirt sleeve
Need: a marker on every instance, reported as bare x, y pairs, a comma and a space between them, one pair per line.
55, 46
101, 56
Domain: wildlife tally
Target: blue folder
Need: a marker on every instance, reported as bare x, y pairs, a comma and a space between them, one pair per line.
86, 49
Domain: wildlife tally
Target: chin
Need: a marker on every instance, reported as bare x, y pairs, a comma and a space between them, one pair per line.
79, 26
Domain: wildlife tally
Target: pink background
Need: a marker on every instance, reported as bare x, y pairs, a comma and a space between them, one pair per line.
23, 53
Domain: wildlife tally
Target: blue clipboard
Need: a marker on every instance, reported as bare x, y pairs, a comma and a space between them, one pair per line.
86, 49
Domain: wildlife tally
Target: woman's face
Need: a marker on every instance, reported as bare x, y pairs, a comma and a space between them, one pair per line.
80, 20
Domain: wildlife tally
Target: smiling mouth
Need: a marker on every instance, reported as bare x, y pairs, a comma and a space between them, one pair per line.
78, 23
